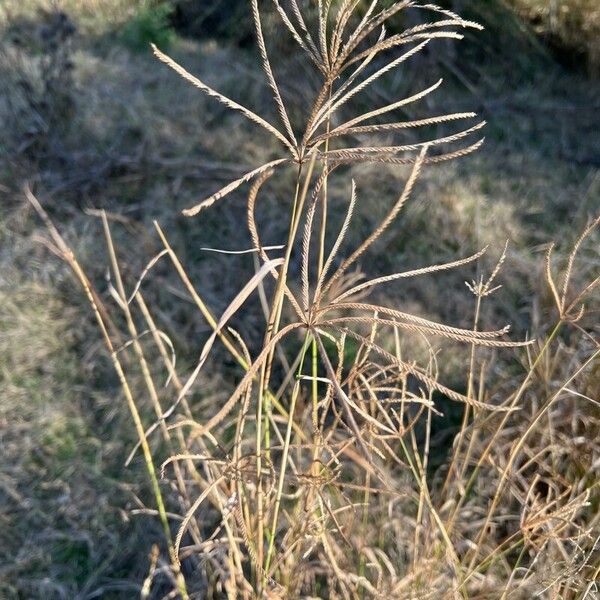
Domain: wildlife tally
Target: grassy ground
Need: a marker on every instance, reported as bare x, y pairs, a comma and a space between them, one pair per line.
94, 122
571, 28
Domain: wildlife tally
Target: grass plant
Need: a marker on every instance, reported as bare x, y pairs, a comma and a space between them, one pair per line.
313, 478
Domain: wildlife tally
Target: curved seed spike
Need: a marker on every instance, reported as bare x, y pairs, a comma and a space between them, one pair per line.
400, 38
363, 22
385, 127
194, 210
344, 13
346, 152
327, 170
452, 21
269, 73
223, 99
308, 45
392, 160
567, 277
317, 108
396, 41
441, 327
487, 286
432, 160
428, 381
308, 228
440, 10
302, 24
252, 196
413, 273
550, 280
460, 335
323, 31
370, 26
390, 107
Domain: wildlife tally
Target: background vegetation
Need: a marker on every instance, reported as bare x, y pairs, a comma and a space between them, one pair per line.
89, 121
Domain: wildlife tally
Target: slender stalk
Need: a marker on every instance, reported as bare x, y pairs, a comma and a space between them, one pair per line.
314, 350
263, 404
69, 257
452, 470
284, 457
502, 424
366, 498
136, 416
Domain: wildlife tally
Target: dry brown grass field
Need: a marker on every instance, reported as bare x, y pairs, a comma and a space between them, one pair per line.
299, 299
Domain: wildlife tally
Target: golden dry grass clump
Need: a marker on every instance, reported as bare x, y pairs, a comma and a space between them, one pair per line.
315, 476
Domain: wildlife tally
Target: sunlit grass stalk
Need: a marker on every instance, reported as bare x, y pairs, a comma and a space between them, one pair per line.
147, 453
135, 413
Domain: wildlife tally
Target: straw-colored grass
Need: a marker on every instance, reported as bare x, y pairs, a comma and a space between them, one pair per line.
319, 473
126, 133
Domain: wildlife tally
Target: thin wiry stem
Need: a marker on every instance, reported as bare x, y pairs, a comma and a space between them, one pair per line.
458, 335
284, 457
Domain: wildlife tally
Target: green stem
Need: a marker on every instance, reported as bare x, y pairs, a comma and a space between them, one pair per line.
284, 457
